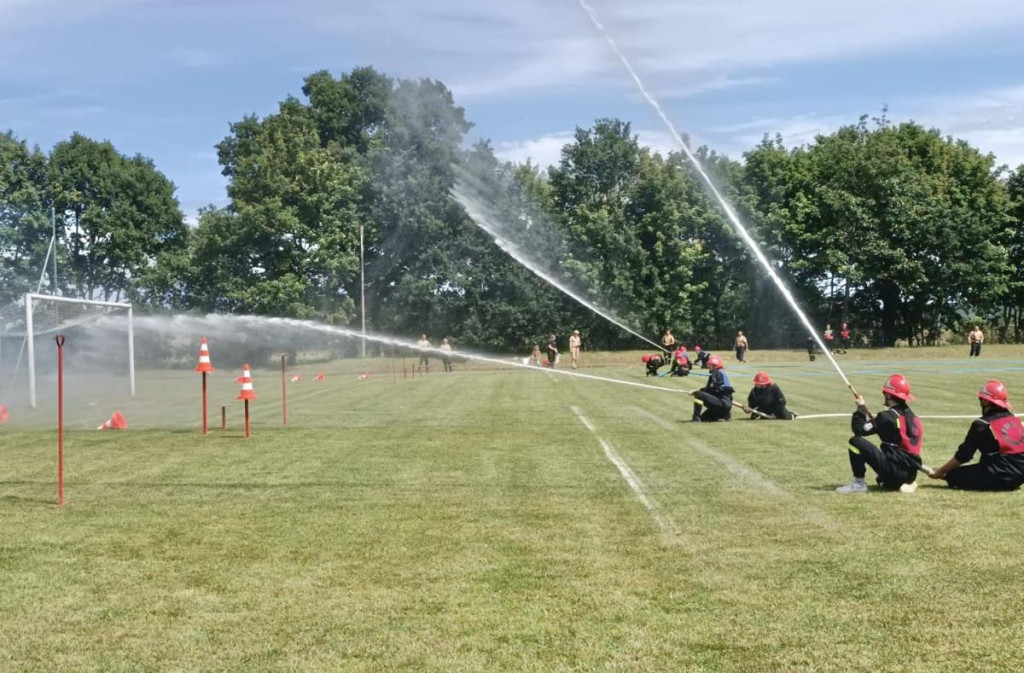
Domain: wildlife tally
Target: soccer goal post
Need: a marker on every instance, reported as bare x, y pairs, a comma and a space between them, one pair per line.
48, 314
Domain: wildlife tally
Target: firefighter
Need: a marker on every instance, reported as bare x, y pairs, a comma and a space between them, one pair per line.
715, 397
897, 460
999, 436
766, 397
681, 364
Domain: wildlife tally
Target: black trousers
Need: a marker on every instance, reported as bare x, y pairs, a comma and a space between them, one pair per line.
979, 477
741, 351
975, 350
891, 468
714, 408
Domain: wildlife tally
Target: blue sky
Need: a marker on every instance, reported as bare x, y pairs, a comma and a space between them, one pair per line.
164, 78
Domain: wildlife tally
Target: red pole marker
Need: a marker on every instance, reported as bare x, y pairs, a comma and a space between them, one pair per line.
246, 394
223, 418
60, 419
205, 367
284, 394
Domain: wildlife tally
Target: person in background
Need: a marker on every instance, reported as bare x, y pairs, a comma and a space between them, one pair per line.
976, 338
829, 338
767, 398
715, 397
446, 355
424, 345
552, 351
810, 348
741, 346
681, 365
999, 436
575, 343
535, 356
897, 460
844, 338
668, 342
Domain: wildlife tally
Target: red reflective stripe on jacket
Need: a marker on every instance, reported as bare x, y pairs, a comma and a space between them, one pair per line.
1009, 433
910, 438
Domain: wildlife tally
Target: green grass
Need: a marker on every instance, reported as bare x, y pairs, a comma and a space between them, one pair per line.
472, 522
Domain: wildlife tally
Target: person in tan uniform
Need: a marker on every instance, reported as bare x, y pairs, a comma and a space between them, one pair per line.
741, 346
976, 338
668, 342
575, 343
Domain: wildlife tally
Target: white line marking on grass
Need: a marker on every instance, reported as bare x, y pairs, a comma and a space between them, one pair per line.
667, 526
744, 472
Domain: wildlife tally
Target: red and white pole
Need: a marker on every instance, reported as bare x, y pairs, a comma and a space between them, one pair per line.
60, 419
284, 394
247, 419
204, 404
223, 418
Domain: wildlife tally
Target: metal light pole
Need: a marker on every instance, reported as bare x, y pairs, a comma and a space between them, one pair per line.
362, 286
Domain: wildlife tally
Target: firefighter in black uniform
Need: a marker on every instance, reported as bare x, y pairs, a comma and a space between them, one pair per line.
653, 362
715, 397
766, 397
901, 432
999, 436
681, 364
701, 357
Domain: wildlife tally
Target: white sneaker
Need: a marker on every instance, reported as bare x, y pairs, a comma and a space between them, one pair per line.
855, 486
908, 488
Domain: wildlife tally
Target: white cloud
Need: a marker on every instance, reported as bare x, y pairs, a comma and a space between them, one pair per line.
991, 120
192, 57
546, 150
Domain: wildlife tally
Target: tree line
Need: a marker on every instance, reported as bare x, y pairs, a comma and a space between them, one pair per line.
893, 228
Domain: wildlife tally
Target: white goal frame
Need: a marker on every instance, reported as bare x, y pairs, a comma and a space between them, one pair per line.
30, 336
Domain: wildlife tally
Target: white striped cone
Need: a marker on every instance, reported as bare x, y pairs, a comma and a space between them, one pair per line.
204, 357
247, 390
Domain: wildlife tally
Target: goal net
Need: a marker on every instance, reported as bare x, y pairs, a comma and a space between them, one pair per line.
24, 325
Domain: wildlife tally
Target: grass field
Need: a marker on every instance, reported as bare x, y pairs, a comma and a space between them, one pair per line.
491, 520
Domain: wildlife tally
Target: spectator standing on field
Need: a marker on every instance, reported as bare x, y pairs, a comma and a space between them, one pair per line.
535, 356
844, 338
976, 338
424, 345
828, 337
575, 343
668, 342
741, 346
446, 355
552, 351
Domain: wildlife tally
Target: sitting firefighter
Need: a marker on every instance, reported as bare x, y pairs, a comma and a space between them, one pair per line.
715, 397
681, 364
766, 400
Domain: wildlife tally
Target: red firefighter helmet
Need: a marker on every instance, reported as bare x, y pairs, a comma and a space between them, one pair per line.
715, 361
898, 387
645, 358
696, 348
995, 393
762, 379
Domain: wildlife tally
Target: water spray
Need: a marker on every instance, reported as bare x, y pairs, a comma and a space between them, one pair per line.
478, 214
730, 214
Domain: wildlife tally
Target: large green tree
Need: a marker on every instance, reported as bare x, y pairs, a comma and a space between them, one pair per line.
120, 218
906, 221
24, 218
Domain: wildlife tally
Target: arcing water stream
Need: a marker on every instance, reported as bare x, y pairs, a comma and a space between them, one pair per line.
482, 216
730, 214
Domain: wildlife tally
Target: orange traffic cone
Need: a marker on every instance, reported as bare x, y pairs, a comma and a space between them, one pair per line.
117, 422
296, 378
321, 376
204, 365
364, 376
3, 414
247, 391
